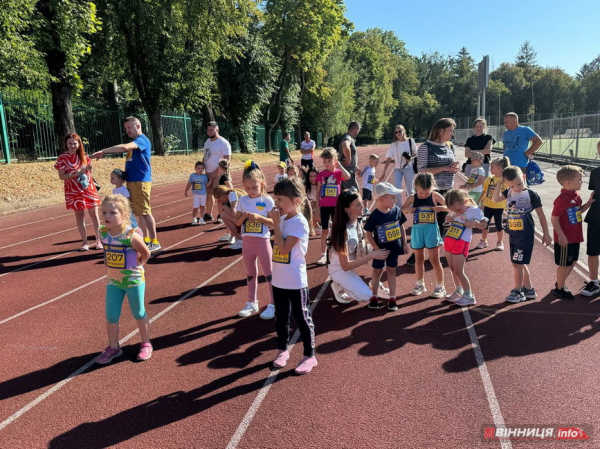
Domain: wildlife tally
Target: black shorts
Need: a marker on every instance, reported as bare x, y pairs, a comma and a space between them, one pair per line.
367, 195
521, 248
593, 241
326, 212
567, 255
489, 212
306, 163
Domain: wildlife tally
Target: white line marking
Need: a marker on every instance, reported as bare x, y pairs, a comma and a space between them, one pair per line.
12, 418
243, 427
34, 222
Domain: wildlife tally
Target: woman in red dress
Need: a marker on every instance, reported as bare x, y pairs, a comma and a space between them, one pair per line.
70, 166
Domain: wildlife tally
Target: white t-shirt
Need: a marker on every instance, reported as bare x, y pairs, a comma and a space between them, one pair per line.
307, 146
289, 271
368, 177
352, 242
121, 191
260, 205
472, 213
279, 177
214, 150
474, 177
395, 152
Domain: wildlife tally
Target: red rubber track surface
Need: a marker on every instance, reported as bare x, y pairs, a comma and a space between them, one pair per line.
385, 379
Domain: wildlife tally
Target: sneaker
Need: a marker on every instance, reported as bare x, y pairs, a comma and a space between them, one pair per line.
268, 313
563, 293
500, 246
219, 219
465, 300
145, 352
237, 245
438, 292
323, 259
452, 297
154, 247
224, 238
231, 240
319, 229
482, 244
208, 217
108, 354
306, 365
281, 359
339, 295
194, 222
374, 303
419, 289
411, 260
392, 305
529, 293
382, 291
516, 296
590, 289
146, 242
248, 309
201, 221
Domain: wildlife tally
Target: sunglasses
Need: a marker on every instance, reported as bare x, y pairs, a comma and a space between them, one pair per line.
399, 131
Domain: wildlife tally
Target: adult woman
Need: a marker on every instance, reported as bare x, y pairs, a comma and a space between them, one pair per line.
348, 253
401, 152
80, 191
481, 143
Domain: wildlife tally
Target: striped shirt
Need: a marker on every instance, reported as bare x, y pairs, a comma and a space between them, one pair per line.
432, 154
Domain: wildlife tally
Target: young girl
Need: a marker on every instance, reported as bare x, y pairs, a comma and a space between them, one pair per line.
476, 178
224, 180
292, 171
198, 181
227, 199
464, 215
328, 189
124, 255
290, 282
310, 184
425, 233
252, 216
117, 178
491, 208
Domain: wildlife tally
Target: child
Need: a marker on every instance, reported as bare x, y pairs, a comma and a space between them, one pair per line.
490, 208
568, 227
227, 198
124, 255
425, 233
198, 182
224, 180
368, 175
290, 281
464, 215
292, 171
281, 172
592, 219
328, 188
117, 178
385, 230
520, 203
310, 184
476, 178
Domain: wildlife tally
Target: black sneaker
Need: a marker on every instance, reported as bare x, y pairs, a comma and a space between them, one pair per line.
563, 293
392, 305
374, 303
590, 289
208, 217
411, 260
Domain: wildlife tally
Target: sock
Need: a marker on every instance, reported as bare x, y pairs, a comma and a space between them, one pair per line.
468, 293
146, 239
459, 290
421, 281
154, 240
439, 284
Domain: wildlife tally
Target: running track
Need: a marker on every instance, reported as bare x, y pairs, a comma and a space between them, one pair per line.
429, 375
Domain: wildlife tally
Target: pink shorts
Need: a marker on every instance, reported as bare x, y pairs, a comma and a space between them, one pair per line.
456, 247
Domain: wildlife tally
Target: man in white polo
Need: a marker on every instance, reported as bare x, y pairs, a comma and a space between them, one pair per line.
307, 148
215, 149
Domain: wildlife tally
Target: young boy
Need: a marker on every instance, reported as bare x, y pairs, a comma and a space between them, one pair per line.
198, 182
474, 184
568, 229
592, 219
385, 230
520, 203
368, 175
328, 190
281, 172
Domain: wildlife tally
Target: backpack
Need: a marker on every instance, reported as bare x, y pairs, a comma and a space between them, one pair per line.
534, 174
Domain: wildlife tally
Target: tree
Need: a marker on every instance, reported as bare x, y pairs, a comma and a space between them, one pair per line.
589, 67
513, 79
590, 86
554, 91
526, 59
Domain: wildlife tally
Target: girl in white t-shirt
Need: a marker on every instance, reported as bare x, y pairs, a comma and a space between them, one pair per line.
290, 282
117, 178
252, 216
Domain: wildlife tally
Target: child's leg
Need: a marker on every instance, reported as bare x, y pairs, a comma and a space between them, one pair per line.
324, 236
391, 278
233, 228
300, 301
562, 273
282, 317
519, 275
375, 279
434, 258
484, 234
420, 263
265, 256
202, 211
135, 296
458, 271
195, 213
593, 262
449, 258
114, 302
249, 253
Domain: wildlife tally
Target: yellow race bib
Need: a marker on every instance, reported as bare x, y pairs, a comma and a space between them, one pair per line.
253, 227
455, 231
280, 258
114, 256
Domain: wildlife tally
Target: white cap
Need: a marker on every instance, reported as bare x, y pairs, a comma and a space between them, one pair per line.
385, 188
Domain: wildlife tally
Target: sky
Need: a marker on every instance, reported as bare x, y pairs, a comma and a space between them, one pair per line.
564, 34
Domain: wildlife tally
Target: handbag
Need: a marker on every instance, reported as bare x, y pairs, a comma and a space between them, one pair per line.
96, 184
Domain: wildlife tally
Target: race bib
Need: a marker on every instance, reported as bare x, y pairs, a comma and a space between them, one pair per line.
472, 179
253, 227
329, 191
114, 256
197, 186
574, 214
280, 258
516, 222
424, 216
389, 232
455, 231
371, 179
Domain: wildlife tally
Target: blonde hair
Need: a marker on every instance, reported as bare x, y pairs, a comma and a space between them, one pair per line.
292, 168
501, 162
122, 204
224, 164
439, 126
513, 115
224, 191
403, 132
455, 196
253, 171
567, 173
329, 153
373, 157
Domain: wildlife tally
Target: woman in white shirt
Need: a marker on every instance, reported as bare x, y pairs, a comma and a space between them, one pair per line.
401, 152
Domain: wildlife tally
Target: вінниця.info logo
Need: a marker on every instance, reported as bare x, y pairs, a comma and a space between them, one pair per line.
538, 432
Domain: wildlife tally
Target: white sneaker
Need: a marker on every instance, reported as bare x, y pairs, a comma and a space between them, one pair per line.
268, 313
195, 222
323, 259
236, 245
500, 246
248, 309
220, 220
482, 244
338, 293
231, 240
201, 221
383, 292
319, 229
438, 292
419, 289
224, 238
466, 300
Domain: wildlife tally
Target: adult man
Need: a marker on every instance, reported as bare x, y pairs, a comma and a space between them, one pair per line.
347, 151
139, 178
307, 148
215, 149
516, 139
284, 150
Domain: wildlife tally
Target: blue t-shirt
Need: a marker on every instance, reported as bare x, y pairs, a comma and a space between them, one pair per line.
137, 165
516, 143
386, 229
198, 183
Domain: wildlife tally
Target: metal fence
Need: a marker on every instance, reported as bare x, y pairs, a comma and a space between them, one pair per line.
573, 137
498, 120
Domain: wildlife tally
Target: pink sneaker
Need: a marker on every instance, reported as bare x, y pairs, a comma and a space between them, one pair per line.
281, 359
145, 351
452, 297
306, 365
108, 354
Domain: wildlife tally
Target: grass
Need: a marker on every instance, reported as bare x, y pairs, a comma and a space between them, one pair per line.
587, 148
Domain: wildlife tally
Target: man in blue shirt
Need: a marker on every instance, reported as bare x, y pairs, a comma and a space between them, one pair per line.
516, 140
139, 177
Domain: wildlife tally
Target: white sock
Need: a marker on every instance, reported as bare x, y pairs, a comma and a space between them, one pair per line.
459, 290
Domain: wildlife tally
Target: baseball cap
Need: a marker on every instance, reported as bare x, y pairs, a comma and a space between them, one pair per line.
282, 165
385, 188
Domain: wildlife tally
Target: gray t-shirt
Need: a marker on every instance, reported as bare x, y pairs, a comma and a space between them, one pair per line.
348, 165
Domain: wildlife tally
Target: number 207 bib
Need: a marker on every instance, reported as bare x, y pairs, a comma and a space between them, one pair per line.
389, 232
114, 256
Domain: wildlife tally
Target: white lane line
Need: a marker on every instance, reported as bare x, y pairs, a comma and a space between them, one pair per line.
485, 378
12, 418
243, 427
34, 222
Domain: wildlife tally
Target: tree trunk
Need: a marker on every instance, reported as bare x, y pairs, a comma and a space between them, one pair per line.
298, 132
62, 111
242, 142
268, 129
158, 139
196, 133
208, 115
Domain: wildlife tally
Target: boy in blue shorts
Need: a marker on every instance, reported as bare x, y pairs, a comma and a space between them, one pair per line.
385, 230
520, 203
